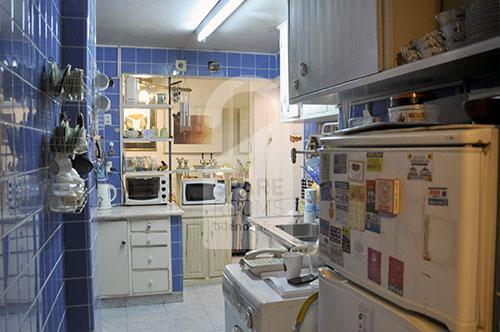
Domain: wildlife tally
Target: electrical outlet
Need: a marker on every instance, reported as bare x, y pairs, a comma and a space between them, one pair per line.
107, 120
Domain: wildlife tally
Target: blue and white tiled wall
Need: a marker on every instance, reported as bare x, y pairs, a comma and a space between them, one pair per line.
176, 243
32, 292
80, 231
162, 62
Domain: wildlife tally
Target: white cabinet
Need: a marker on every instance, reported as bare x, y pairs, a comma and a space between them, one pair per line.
114, 255
335, 41
287, 111
135, 257
207, 246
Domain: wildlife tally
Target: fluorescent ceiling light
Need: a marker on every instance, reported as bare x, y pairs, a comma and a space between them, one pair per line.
216, 17
203, 8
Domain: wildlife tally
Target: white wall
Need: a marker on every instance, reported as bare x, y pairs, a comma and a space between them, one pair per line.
276, 181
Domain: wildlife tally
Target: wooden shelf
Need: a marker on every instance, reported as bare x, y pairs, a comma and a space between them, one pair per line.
207, 170
147, 106
467, 63
147, 173
143, 140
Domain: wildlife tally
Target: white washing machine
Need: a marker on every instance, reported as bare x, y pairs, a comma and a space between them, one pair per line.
251, 305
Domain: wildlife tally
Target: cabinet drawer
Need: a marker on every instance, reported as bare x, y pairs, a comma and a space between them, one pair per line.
158, 225
150, 281
149, 239
150, 258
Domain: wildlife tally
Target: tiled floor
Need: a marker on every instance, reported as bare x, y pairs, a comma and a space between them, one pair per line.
202, 310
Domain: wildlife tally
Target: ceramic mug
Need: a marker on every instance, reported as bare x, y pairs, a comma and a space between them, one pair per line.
292, 263
164, 132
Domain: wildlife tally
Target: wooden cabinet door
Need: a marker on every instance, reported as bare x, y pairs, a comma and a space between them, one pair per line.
114, 248
219, 245
193, 235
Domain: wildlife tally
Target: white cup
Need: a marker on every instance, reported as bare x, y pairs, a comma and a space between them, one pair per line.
292, 262
61, 165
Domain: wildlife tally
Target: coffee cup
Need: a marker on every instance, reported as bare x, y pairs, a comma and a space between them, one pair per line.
292, 262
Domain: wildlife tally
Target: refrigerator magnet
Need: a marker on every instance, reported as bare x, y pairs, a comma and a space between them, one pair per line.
357, 207
396, 275
437, 196
374, 265
356, 171
387, 196
340, 163
374, 162
420, 167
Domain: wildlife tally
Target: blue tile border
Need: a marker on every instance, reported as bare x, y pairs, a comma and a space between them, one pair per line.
161, 61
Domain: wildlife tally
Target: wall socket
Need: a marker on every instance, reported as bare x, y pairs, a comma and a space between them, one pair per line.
107, 120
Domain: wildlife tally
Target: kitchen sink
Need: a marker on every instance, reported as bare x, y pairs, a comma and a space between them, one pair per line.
303, 232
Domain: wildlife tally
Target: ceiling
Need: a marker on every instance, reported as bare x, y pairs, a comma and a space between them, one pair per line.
171, 24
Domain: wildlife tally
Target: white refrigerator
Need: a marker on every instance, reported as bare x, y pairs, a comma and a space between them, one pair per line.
408, 218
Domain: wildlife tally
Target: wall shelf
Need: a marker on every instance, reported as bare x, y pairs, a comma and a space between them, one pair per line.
467, 63
147, 173
144, 140
147, 106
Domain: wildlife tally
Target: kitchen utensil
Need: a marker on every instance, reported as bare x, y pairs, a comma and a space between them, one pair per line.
82, 164
155, 132
101, 81
484, 110
104, 195
292, 263
102, 103
60, 165
310, 205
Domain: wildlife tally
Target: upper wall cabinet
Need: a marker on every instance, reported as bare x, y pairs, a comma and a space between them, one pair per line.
336, 41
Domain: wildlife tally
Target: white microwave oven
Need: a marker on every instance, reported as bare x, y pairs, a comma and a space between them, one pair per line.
146, 189
203, 191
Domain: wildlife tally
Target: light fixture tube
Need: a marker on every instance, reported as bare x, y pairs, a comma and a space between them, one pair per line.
216, 17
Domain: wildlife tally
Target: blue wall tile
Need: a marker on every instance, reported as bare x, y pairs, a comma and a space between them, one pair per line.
174, 55
128, 54
159, 56
144, 55
111, 54
248, 60
262, 61
234, 59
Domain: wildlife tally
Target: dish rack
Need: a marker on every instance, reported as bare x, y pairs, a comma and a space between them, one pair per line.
68, 200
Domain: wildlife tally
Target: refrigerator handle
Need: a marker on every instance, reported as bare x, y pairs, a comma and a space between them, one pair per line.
425, 254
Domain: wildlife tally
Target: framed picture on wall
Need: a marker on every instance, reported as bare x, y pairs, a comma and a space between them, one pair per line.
139, 120
203, 135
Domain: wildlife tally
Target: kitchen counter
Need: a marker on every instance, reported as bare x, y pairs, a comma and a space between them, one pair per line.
139, 212
268, 226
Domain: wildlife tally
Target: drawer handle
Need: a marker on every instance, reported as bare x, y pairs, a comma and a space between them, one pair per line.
148, 227
150, 259
124, 242
150, 283
148, 240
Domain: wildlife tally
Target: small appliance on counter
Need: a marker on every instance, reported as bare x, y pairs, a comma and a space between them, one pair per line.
146, 189
203, 191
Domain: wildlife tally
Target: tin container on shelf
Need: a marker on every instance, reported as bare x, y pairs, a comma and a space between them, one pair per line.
410, 107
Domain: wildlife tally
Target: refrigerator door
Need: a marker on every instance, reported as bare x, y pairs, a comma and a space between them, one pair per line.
409, 224
344, 306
